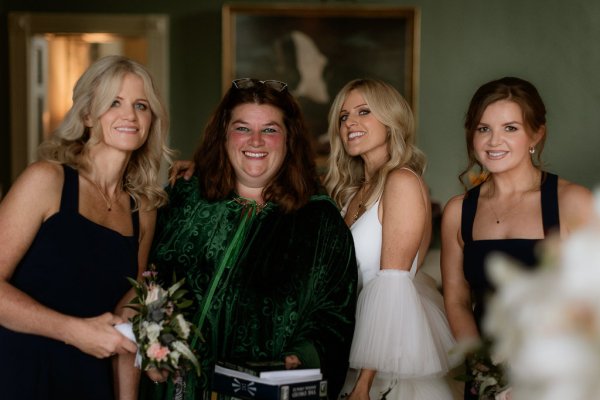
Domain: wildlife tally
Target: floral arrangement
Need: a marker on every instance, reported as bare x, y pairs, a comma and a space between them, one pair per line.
487, 375
160, 327
546, 323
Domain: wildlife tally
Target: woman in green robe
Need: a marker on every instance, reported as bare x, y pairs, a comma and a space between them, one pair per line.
269, 260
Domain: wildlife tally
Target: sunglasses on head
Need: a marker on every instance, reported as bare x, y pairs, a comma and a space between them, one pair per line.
247, 83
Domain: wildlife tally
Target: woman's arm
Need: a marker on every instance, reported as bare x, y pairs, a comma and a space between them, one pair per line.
405, 215
575, 205
127, 376
457, 294
21, 216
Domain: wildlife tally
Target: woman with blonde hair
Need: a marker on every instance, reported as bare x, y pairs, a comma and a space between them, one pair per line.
73, 227
402, 339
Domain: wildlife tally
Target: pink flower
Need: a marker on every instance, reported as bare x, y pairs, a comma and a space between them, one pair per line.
149, 274
157, 352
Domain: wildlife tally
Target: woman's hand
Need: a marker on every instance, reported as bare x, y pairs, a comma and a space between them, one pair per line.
181, 169
98, 337
292, 362
157, 375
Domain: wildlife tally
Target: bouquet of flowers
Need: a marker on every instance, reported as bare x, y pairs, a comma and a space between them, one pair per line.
160, 328
487, 376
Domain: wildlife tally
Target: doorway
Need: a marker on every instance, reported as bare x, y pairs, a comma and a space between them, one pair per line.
48, 53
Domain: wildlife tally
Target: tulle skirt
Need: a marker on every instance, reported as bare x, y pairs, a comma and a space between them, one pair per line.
402, 333
432, 388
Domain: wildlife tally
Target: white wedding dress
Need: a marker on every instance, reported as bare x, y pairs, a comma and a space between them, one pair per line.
401, 328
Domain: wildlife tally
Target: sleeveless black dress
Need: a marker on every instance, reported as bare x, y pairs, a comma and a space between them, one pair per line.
475, 252
79, 268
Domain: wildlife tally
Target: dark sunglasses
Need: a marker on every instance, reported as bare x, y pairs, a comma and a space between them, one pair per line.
247, 83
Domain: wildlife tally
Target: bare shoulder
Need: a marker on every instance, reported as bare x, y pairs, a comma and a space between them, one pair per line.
572, 193
37, 191
41, 177
575, 204
454, 205
451, 222
405, 178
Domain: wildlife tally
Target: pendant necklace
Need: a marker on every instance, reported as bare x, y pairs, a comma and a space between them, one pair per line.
361, 205
512, 209
106, 198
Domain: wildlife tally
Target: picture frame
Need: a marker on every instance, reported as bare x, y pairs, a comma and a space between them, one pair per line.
316, 49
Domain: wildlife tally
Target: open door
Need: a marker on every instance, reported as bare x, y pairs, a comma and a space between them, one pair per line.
48, 53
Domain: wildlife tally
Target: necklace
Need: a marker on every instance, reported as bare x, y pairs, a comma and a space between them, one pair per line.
360, 209
513, 207
106, 198
249, 202
510, 211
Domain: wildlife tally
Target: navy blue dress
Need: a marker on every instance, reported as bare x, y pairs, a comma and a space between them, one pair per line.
75, 267
475, 252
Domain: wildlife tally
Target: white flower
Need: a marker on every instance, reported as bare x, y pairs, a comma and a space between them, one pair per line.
182, 326
155, 293
174, 356
546, 323
186, 352
152, 330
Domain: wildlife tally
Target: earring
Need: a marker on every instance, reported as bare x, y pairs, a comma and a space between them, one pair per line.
531, 150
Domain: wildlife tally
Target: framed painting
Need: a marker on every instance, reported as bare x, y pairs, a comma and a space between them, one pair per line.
316, 49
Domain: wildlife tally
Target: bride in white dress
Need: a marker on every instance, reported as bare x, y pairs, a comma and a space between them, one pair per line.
402, 340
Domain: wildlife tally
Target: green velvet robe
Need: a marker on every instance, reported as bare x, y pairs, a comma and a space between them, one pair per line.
287, 282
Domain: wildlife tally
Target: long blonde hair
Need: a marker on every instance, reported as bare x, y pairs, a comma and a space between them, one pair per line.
345, 174
93, 95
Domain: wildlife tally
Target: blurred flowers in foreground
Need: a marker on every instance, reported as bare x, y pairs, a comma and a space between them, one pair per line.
545, 324
487, 376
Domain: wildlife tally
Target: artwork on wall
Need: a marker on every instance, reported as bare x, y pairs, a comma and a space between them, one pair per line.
316, 49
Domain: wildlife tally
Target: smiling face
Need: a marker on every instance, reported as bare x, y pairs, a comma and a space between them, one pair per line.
502, 139
126, 124
361, 133
256, 144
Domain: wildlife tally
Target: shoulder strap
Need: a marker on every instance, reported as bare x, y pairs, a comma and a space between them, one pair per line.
135, 219
549, 198
70, 191
469, 208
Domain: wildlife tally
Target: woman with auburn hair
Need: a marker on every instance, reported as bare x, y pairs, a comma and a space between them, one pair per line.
517, 205
267, 256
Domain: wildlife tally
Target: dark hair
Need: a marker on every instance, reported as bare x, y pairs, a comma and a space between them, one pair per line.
516, 90
297, 178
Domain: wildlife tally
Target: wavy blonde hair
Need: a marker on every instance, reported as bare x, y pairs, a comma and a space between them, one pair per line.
93, 95
346, 173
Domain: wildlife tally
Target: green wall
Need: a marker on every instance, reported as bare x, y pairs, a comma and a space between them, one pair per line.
464, 43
